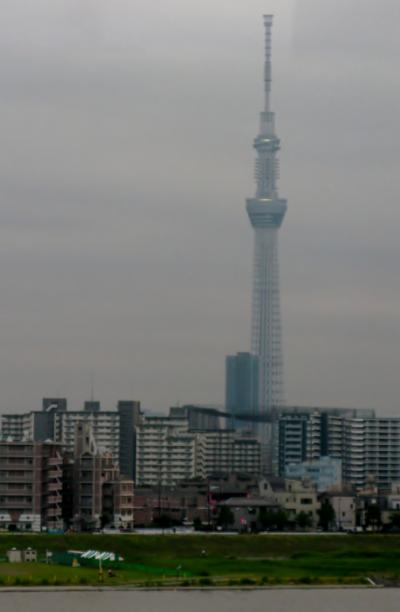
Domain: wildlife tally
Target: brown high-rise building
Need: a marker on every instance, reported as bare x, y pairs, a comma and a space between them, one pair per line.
30, 485
100, 495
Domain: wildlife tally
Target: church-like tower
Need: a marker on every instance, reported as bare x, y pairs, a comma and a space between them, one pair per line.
266, 212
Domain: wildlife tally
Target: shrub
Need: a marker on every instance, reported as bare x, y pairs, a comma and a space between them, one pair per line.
247, 581
205, 582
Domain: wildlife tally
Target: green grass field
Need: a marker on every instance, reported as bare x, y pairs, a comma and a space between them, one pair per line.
237, 559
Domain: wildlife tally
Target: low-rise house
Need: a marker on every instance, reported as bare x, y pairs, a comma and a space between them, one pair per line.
298, 497
345, 509
180, 505
393, 498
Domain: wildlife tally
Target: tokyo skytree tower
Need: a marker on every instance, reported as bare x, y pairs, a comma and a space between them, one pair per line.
266, 212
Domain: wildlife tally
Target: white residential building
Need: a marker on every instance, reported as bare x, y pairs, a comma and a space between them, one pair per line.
105, 427
165, 451
168, 451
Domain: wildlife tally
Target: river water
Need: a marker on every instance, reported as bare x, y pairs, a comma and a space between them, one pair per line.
298, 600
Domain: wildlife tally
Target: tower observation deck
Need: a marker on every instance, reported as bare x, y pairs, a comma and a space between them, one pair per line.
266, 212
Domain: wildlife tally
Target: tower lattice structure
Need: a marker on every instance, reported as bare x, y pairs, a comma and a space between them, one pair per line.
266, 212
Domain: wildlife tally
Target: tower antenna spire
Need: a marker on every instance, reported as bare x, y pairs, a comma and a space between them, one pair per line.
266, 212
268, 20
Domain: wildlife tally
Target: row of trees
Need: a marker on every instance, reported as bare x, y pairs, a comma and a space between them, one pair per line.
280, 520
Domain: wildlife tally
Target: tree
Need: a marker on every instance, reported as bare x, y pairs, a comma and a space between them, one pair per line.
373, 516
225, 517
164, 521
270, 519
395, 520
303, 520
197, 524
281, 520
326, 514
266, 518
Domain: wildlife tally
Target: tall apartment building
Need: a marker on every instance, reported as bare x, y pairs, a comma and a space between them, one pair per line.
129, 418
305, 434
105, 426
297, 439
226, 451
169, 451
100, 495
372, 448
114, 430
37, 425
165, 451
30, 485
368, 446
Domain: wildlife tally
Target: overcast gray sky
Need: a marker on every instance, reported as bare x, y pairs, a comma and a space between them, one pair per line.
125, 161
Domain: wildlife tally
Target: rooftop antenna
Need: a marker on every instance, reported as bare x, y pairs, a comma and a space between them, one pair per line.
91, 387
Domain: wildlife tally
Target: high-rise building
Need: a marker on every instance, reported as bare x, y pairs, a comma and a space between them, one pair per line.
165, 451
37, 425
114, 430
371, 449
241, 387
169, 451
368, 446
266, 212
30, 485
302, 433
129, 418
105, 427
95, 493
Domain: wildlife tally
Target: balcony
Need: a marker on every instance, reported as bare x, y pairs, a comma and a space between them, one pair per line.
54, 474
54, 513
21, 491
55, 461
16, 506
15, 452
28, 478
54, 499
54, 486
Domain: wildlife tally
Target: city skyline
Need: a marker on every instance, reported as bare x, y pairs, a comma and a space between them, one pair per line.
125, 164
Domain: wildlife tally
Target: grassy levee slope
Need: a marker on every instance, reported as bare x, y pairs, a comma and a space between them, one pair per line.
265, 559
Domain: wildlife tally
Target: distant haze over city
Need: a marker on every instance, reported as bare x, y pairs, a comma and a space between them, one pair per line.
126, 159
